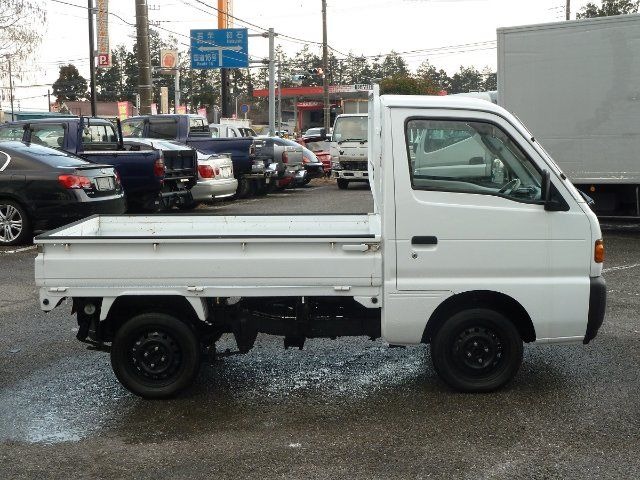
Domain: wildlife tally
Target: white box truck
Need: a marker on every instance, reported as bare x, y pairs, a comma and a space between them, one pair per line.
477, 244
576, 85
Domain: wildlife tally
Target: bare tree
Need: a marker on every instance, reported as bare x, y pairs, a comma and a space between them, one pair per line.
21, 23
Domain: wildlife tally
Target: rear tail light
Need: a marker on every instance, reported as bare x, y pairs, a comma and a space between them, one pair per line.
206, 171
74, 181
598, 251
158, 168
118, 180
285, 157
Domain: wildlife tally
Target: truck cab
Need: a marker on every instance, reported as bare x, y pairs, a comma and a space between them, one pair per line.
349, 147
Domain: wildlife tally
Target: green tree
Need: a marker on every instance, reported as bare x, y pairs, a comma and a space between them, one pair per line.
407, 85
70, 85
489, 80
110, 82
439, 78
467, 79
608, 8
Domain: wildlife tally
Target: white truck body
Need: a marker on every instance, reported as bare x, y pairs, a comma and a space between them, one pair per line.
424, 251
574, 84
349, 149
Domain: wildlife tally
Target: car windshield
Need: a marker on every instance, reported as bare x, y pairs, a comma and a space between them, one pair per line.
351, 128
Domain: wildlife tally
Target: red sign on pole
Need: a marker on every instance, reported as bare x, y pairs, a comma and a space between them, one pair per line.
104, 60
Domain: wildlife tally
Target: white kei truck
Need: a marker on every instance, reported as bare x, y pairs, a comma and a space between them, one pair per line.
349, 149
477, 244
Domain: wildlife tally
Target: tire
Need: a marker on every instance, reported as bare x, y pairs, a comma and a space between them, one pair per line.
306, 181
244, 188
343, 184
477, 335
188, 206
15, 226
155, 337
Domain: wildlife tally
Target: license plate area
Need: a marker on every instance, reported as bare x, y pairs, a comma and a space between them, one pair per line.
105, 184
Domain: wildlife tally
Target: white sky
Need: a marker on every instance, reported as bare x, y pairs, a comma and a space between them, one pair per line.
368, 27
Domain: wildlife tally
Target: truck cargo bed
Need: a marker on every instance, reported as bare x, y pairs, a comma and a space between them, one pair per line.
213, 256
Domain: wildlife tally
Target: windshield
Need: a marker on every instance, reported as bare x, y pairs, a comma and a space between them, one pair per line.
351, 129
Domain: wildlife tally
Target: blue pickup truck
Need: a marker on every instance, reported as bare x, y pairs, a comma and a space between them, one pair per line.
151, 179
253, 172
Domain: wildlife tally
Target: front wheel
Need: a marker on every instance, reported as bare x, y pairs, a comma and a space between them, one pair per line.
343, 184
477, 350
15, 228
155, 355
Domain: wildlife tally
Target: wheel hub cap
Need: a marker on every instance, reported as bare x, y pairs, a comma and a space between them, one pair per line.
10, 223
155, 355
478, 349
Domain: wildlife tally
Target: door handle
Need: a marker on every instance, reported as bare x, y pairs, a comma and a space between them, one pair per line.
362, 247
424, 240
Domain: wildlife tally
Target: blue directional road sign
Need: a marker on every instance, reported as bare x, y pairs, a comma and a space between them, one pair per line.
244, 108
221, 48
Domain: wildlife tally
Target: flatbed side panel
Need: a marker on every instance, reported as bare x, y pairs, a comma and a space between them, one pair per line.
221, 263
177, 227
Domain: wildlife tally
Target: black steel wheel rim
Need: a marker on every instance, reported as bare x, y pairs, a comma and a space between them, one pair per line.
155, 355
478, 350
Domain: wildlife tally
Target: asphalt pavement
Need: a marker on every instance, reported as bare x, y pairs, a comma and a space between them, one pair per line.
351, 408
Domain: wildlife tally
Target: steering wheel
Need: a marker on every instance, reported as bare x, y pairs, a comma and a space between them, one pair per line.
510, 186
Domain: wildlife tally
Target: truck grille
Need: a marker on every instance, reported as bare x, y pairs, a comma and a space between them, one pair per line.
358, 166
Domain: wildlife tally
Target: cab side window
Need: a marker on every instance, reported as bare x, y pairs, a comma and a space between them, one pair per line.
132, 128
11, 132
469, 157
47, 134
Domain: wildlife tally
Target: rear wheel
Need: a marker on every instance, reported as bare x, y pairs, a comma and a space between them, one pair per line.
155, 355
477, 350
15, 227
343, 184
244, 188
189, 205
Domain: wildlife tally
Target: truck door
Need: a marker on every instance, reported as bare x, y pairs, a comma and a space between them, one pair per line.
469, 214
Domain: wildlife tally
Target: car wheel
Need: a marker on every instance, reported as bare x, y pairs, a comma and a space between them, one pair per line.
189, 205
477, 350
155, 355
15, 227
244, 188
343, 184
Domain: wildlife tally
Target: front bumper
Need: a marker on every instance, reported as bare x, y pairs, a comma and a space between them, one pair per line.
351, 175
314, 170
597, 306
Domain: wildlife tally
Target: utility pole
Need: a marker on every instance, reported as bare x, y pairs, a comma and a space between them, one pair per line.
10, 87
272, 87
49, 98
176, 90
224, 72
280, 95
325, 80
144, 58
92, 56
568, 10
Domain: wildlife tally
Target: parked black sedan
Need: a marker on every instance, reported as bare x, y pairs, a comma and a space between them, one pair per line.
43, 188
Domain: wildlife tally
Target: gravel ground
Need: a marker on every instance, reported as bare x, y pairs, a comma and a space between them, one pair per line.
345, 409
